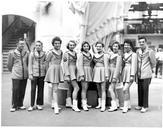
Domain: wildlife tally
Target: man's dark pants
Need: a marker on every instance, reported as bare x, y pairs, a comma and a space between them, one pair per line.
143, 92
18, 92
37, 82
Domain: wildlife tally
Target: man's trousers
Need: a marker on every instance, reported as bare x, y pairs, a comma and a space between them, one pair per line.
18, 92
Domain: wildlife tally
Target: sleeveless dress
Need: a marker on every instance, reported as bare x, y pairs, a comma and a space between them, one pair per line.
84, 68
99, 69
54, 73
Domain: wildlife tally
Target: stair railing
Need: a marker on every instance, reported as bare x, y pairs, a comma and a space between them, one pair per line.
7, 34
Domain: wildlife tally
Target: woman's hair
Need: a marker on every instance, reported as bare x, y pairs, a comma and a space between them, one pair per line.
69, 43
116, 42
130, 43
56, 39
85, 42
99, 42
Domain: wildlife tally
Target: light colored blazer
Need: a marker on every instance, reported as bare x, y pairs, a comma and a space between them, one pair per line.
146, 63
17, 64
36, 66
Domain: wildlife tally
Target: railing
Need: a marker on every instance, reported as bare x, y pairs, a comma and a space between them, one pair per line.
7, 34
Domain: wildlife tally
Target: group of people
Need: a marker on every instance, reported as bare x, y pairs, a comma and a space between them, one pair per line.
119, 69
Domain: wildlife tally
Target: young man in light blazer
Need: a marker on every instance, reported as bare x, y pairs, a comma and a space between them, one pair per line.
146, 66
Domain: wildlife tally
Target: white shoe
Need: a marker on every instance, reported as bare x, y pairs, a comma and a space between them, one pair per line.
143, 110
30, 109
84, 105
103, 102
88, 106
39, 107
121, 108
68, 102
75, 107
111, 109
99, 103
138, 108
12, 109
56, 109
125, 110
22, 107
113, 106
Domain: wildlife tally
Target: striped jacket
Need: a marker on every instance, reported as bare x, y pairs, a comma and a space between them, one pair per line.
146, 63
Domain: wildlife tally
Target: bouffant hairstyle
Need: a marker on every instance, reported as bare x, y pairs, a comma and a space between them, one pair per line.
116, 42
99, 42
56, 39
130, 43
69, 43
85, 42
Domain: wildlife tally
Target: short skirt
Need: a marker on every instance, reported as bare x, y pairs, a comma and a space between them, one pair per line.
54, 74
73, 72
111, 70
126, 73
88, 74
99, 74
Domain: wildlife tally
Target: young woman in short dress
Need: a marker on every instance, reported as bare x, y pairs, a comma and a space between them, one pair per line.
70, 72
115, 63
54, 73
128, 73
85, 71
100, 72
